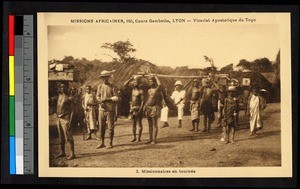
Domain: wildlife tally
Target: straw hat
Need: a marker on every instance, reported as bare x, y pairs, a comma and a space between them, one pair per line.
105, 73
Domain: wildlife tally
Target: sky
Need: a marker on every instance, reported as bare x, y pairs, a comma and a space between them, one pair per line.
168, 45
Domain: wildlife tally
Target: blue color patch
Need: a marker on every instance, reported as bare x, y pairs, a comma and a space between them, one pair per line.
12, 156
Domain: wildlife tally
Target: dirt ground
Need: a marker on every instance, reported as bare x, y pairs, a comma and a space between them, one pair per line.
179, 147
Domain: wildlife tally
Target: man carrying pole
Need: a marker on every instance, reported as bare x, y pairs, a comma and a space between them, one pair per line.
136, 107
206, 104
195, 105
153, 107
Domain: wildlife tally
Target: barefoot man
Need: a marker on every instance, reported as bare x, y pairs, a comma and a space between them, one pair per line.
153, 107
207, 105
195, 105
64, 113
136, 107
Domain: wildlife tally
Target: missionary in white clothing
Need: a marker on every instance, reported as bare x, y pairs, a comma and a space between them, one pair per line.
178, 96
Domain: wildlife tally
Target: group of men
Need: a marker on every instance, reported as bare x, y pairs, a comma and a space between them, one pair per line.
106, 98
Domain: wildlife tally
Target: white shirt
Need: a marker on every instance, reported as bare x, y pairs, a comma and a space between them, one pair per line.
178, 95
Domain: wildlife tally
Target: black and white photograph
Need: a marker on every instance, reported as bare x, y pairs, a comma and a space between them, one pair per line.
164, 95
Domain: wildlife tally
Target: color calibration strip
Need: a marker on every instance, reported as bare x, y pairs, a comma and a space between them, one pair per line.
21, 94
11, 52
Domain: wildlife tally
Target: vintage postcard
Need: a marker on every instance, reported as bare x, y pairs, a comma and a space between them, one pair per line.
164, 95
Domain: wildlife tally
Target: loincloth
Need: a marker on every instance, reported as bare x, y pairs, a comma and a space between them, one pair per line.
152, 111
135, 112
195, 112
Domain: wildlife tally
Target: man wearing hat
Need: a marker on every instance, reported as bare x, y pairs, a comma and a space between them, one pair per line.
178, 96
195, 105
207, 105
64, 117
231, 107
107, 97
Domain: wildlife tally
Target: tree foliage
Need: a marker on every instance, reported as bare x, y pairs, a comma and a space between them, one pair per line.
122, 49
260, 65
244, 64
226, 69
212, 68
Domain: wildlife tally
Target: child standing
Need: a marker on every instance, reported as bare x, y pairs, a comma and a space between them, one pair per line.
231, 107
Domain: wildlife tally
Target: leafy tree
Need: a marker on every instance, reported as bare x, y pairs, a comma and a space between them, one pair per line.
244, 64
227, 69
122, 49
262, 65
68, 60
208, 70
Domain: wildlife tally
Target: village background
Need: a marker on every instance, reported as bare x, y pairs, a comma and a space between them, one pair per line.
177, 147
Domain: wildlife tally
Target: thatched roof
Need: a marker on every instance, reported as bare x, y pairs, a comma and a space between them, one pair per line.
123, 72
270, 76
257, 79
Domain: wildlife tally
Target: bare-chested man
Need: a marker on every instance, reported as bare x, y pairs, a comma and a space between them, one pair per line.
195, 105
206, 104
64, 113
153, 107
136, 107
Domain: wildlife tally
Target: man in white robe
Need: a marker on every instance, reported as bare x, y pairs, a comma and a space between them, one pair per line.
257, 104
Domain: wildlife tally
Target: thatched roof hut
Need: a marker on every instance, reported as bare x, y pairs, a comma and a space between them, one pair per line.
122, 73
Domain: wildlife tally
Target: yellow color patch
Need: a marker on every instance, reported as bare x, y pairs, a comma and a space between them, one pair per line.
11, 75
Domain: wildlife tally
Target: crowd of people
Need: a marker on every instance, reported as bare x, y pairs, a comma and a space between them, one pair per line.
100, 109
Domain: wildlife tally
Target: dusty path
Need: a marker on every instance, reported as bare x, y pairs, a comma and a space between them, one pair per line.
179, 147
